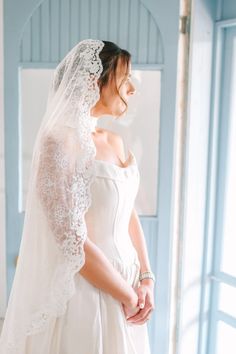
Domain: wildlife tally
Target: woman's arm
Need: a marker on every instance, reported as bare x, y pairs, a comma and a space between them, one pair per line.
101, 273
138, 240
146, 289
135, 228
56, 187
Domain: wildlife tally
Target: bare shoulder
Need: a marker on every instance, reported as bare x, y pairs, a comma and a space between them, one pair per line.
116, 141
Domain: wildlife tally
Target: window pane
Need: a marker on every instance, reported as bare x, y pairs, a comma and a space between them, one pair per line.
228, 264
227, 298
226, 339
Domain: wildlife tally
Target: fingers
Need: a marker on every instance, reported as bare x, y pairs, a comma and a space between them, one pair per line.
141, 318
129, 312
143, 315
141, 297
141, 300
146, 305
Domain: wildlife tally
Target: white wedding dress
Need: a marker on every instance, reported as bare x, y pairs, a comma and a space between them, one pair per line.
94, 322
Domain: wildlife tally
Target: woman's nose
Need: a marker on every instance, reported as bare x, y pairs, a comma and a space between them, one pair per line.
132, 90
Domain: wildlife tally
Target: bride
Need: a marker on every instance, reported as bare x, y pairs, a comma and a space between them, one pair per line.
83, 282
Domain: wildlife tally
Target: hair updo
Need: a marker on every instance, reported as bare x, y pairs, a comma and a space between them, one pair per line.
109, 56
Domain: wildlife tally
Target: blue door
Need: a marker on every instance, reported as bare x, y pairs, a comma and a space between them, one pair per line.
38, 34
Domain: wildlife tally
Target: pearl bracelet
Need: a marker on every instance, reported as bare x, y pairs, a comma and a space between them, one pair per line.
147, 275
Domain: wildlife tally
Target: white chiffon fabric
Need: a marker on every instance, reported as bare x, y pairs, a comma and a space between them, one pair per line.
94, 322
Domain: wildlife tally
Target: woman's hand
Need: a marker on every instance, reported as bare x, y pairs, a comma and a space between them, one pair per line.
130, 311
145, 294
131, 307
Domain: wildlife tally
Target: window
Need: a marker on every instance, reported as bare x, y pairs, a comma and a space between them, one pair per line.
222, 322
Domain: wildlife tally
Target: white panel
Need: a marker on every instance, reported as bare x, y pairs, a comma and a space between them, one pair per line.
139, 128
34, 91
226, 339
140, 131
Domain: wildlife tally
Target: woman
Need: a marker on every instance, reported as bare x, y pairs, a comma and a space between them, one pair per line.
77, 287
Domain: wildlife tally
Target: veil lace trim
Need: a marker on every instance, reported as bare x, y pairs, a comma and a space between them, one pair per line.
66, 197
63, 173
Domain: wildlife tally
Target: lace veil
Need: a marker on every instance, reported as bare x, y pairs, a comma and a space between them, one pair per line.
62, 170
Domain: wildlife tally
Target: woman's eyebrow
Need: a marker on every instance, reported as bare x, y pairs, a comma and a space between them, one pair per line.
126, 75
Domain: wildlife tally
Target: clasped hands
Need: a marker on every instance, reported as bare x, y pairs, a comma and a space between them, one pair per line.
145, 305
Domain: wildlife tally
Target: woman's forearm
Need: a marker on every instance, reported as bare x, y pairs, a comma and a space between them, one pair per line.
138, 240
100, 272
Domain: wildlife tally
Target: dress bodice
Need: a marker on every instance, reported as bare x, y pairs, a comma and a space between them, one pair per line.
113, 193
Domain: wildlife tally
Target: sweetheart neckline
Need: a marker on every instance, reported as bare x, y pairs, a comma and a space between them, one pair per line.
113, 164
131, 155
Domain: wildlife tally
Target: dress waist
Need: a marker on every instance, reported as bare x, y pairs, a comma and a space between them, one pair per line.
128, 270
119, 247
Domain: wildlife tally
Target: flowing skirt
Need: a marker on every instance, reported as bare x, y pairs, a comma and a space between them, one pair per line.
94, 323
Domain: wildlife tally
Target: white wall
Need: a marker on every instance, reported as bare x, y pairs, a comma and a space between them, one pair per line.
2, 182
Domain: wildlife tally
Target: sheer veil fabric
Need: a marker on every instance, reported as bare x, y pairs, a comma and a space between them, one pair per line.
62, 170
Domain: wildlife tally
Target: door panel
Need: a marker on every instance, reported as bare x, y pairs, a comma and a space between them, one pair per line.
38, 34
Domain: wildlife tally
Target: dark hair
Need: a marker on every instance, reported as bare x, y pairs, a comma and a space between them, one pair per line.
109, 55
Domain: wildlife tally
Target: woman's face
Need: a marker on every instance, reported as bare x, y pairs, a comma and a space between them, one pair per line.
110, 102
